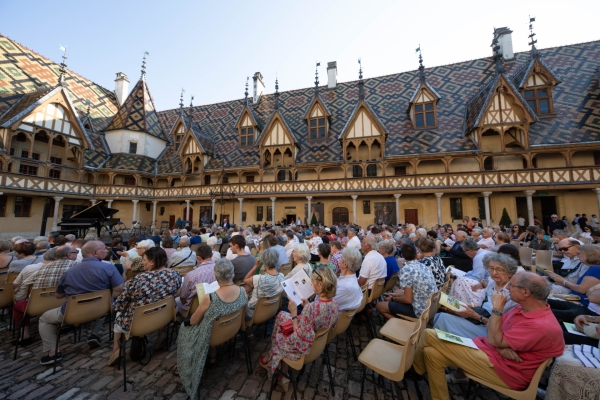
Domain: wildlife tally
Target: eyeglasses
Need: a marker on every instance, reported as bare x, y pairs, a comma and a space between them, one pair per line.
497, 270
318, 274
565, 248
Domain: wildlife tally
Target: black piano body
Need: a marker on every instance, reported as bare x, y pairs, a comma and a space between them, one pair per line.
95, 216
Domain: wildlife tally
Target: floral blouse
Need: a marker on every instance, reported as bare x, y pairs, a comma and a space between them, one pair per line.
419, 278
145, 288
136, 264
437, 268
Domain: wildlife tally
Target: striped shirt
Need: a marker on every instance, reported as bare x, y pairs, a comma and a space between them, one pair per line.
50, 274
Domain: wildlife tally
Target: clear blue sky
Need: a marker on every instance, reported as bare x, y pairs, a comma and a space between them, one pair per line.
208, 48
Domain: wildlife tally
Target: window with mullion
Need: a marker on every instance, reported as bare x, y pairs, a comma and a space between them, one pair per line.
54, 173
27, 169
246, 136
539, 99
3, 201
425, 115
22, 206
317, 128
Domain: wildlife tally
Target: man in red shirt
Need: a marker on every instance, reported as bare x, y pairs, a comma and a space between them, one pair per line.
515, 346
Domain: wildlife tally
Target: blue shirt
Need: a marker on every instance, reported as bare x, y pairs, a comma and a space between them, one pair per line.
392, 267
594, 272
195, 239
90, 275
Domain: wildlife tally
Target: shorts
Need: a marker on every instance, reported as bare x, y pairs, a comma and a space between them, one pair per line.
401, 308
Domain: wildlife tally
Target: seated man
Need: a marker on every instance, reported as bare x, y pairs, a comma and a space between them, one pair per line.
515, 346
204, 273
91, 275
373, 266
195, 238
185, 257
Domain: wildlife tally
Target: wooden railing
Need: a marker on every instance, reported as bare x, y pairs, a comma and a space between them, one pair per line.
406, 183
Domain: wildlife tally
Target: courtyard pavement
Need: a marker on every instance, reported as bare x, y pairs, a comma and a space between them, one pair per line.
84, 374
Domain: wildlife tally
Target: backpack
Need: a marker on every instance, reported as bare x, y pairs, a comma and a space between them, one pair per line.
139, 349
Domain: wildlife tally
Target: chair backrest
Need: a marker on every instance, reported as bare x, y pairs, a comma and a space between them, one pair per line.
445, 286
130, 274
377, 289
3, 274
434, 305
526, 254
516, 243
7, 294
408, 355
531, 391
343, 322
183, 271
285, 269
87, 307
253, 251
11, 277
226, 327
266, 308
195, 247
543, 259
224, 248
363, 303
318, 345
586, 240
395, 278
194, 305
42, 300
152, 317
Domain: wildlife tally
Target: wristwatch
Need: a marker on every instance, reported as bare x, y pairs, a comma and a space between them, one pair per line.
497, 312
481, 319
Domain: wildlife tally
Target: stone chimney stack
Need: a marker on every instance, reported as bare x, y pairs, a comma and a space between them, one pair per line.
259, 87
121, 87
332, 74
505, 42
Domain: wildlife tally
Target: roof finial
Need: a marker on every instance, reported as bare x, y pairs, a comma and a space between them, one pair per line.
89, 104
317, 77
532, 39
63, 66
181, 98
361, 84
421, 67
246, 92
276, 92
497, 57
144, 65
192, 101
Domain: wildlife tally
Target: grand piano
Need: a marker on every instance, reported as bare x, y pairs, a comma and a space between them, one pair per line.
96, 216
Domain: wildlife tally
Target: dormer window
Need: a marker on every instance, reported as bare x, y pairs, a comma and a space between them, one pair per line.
318, 128
246, 136
422, 107
179, 134
540, 100
316, 118
425, 115
246, 127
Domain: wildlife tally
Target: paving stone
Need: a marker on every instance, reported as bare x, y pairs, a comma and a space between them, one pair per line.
251, 389
228, 395
36, 394
101, 384
67, 395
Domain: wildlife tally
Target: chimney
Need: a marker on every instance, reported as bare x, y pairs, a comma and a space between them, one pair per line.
259, 87
332, 74
121, 87
505, 43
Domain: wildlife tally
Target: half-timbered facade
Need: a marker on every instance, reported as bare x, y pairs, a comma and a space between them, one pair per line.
434, 145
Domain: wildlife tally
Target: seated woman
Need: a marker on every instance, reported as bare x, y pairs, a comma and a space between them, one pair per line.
324, 250
417, 283
135, 264
471, 322
517, 233
25, 256
348, 294
265, 285
435, 264
501, 238
167, 245
541, 243
194, 339
588, 324
462, 289
116, 247
314, 242
213, 242
154, 284
301, 256
321, 313
387, 250
567, 311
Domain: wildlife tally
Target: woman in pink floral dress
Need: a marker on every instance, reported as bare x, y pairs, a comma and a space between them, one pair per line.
321, 313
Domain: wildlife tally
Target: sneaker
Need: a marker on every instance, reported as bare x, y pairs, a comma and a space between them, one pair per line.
93, 341
47, 359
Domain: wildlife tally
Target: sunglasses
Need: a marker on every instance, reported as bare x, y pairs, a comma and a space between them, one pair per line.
565, 248
318, 274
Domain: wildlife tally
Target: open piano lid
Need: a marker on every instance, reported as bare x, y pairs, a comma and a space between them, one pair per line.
98, 210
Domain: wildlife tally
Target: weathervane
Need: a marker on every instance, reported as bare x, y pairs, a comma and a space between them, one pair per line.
246, 92
181, 99
144, 65
532, 39
317, 76
421, 67
63, 65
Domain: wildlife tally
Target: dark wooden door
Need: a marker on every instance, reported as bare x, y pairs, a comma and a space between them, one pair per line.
171, 221
411, 216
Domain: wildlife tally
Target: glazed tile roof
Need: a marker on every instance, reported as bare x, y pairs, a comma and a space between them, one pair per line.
137, 113
130, 162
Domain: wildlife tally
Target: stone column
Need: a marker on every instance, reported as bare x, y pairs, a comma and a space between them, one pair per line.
598, 197
397, 196
273, 209
134, 218
308, 210
241, 200
530, 193
94, 201
56, 207
354, 197
187, 210
438, 197
486, 200
109, 203
212, 215
154, 203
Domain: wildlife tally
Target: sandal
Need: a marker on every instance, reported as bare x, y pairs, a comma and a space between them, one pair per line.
263, 363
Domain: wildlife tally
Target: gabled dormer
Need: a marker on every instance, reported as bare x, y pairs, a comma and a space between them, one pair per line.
317, 115
498, 117
422, 106
247, 124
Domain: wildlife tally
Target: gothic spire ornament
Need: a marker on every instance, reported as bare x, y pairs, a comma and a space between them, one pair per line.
532, 39
317, 77
276, 92
144, 65
497, 57
63, 66
361, 84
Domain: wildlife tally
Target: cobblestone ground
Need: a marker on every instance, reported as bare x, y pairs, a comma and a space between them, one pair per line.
84, 374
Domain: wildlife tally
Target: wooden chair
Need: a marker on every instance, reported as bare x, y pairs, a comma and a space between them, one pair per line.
528, 394
7, 297
84, 308
318, 347
147, 319
183, 271
434, 301
226, 328
526, 255
193, 306
285, 269
11, 277
3, 274
389, 360
392, 282
516, 243
363, 304
266, 309
40, 300
400, 330
341, 326
130, 274
376, 290
543, 259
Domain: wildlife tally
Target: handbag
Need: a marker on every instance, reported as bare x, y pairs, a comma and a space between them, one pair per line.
287, 328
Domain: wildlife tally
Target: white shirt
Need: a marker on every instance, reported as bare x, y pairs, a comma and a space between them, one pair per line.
521, 221
487, 243
298, 221
289, 247
132, 253
373, 267
182, 258
449, 242
230, 255
216, 256
353, 243
348, 294
21, 290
